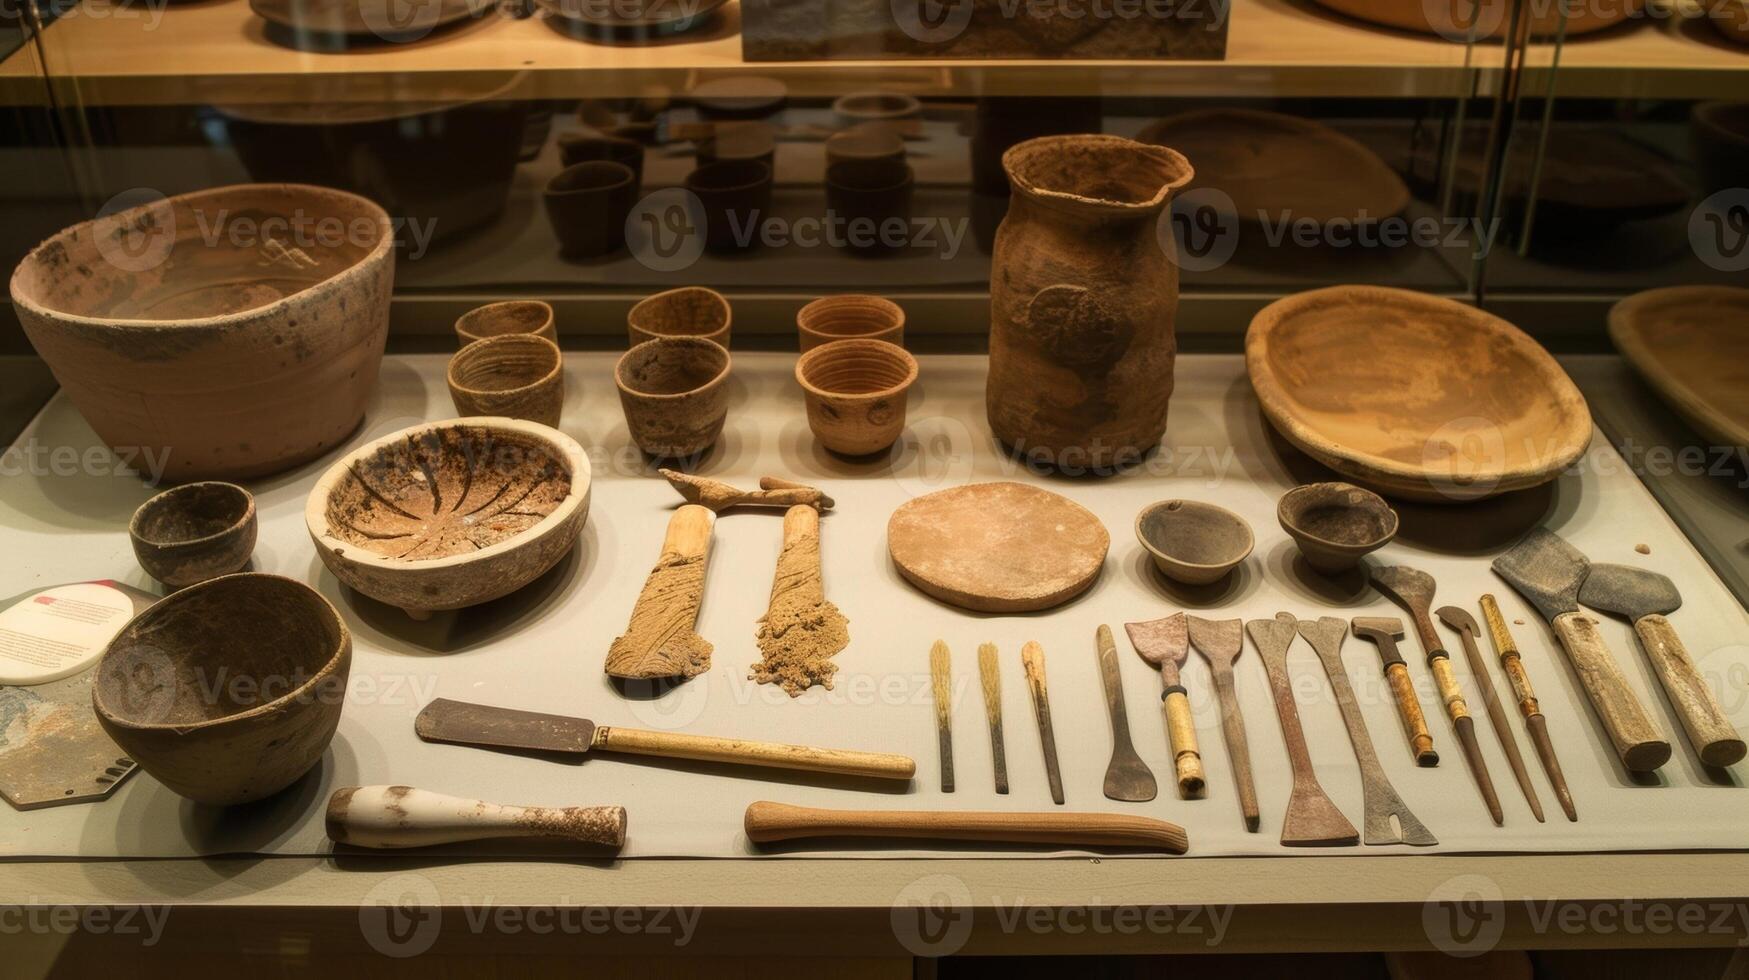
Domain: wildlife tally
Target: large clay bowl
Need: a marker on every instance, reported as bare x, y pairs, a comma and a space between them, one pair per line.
518, 376
235, 331
194, 532
675, 394
450, 514
1413, 395
227, 691
1691, 343
1452, 20
690, 311
855, 391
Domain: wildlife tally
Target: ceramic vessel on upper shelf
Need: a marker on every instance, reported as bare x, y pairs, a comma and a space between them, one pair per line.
1458, 20
1691, 344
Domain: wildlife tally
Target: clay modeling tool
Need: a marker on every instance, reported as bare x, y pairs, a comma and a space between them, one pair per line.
401, 816
767, 822
1164, 644
1469, 633
1220, 642
801, 630
1413, 590
1548, 572
484, 726
1032, 657
1645, 599
990, 671
662, 639
1378, 797
1534, 722
1385, 631
941, 683
1312, 819
719, 496
1127, 777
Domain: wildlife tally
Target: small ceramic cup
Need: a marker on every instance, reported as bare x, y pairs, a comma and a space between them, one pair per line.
869, 141
517, 376
194, 532
675, 394
1336, 524
529, 316
848, 317
1194, 543
585, 149
588, 205
873, 200
690, 311
856, 392
731, 141
736, 197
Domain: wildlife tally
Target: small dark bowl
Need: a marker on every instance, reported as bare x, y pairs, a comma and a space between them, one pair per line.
736, 195
867, 195
588, 205
730, 141
587, 149
1336, 524
1194, 543
194, 532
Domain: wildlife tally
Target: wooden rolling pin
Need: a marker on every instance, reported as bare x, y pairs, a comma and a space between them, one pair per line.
401, 816
767, 822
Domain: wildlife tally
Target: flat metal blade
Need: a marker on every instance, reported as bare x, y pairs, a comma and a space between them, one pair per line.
463, 723
1628, 591
1546, 570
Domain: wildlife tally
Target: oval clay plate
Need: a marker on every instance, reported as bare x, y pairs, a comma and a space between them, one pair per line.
1413, 395
997, 547
1691, 343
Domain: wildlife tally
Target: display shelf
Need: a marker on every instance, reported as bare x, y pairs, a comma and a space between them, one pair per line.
1671, 56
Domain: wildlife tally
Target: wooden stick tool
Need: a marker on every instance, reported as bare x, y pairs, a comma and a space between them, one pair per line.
990, 672
1384, 632
1528, 706
400, 816
1469, 633
1032, 657
1127, 777
1164, 644
1312, 819
941, 685
767, 822
1220, 643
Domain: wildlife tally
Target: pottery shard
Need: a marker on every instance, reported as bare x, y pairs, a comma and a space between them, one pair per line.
998, 547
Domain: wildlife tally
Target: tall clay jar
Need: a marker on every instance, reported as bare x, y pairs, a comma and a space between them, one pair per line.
1083, 300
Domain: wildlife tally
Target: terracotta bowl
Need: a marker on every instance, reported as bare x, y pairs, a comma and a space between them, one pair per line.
855, 392
675, 394
690, 311
227, 691
1194, 543
850, 316
530, 316
517, 376
194, 532
450, 514
1691, 345
1412, 395
1452, 20
237, 358
1336, 524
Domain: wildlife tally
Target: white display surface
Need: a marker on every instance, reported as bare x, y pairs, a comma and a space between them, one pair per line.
64, 508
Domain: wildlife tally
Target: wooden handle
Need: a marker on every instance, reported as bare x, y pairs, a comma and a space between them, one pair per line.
1238, 746
1709, 731
1638, 744
772, 755
1510, 660
941, 686
990, 673
1409, 710
689, 531
1181, 729
401, 816
1445, 679
768, 821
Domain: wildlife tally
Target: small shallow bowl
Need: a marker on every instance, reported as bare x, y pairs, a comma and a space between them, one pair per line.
690, 311
675, 394
1336, 524
1194, 543
850, 316
518, 376
530, 316
450, 514
229, 690
855, 392
194, 532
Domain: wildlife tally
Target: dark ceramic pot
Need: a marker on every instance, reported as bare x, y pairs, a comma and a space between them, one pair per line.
736, 195
873, 199
588, 205
585, 149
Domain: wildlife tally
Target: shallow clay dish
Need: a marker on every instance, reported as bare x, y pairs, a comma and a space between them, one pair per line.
1192, 542
849, 316
236, 359
1452, 19
675, 394
1413, 395
450, 514
856, 393
515, 375
380, 21
1336, 524
1270, 163
1691, 344
530, 316
690, 311
997, 547
227, 691
194, 532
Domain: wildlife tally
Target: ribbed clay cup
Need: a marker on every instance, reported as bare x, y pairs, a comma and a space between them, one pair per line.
675, 394
856, 391
848, 317
690, 311
516, 376
530, 316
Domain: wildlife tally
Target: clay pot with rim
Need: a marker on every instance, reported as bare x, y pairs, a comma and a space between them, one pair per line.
1336, 524
690, 311
1193, 542
227, 360
850, 316
227, 691
1083, 300
674, 391
583, 148
856, 392
530, 316
194, 532
873, 198
514, 376
588, 204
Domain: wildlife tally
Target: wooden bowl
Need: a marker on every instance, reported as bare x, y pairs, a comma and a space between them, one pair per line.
855, 392
1194, 543
674, 391
850, 316
227, 691
208, 327
530, 316
515, 375
450, 514
194, 532
1691, 344
1452, 20
1412, 395
1731, 17
690, 311
1336, 524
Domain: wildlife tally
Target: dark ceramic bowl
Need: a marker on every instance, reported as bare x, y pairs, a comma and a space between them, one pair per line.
736, 196
873, 199
1194, 543
194, 532
1336, 524
588, 205
730, 141
585, 149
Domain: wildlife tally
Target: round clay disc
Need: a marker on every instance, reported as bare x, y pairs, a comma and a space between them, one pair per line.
998, 547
